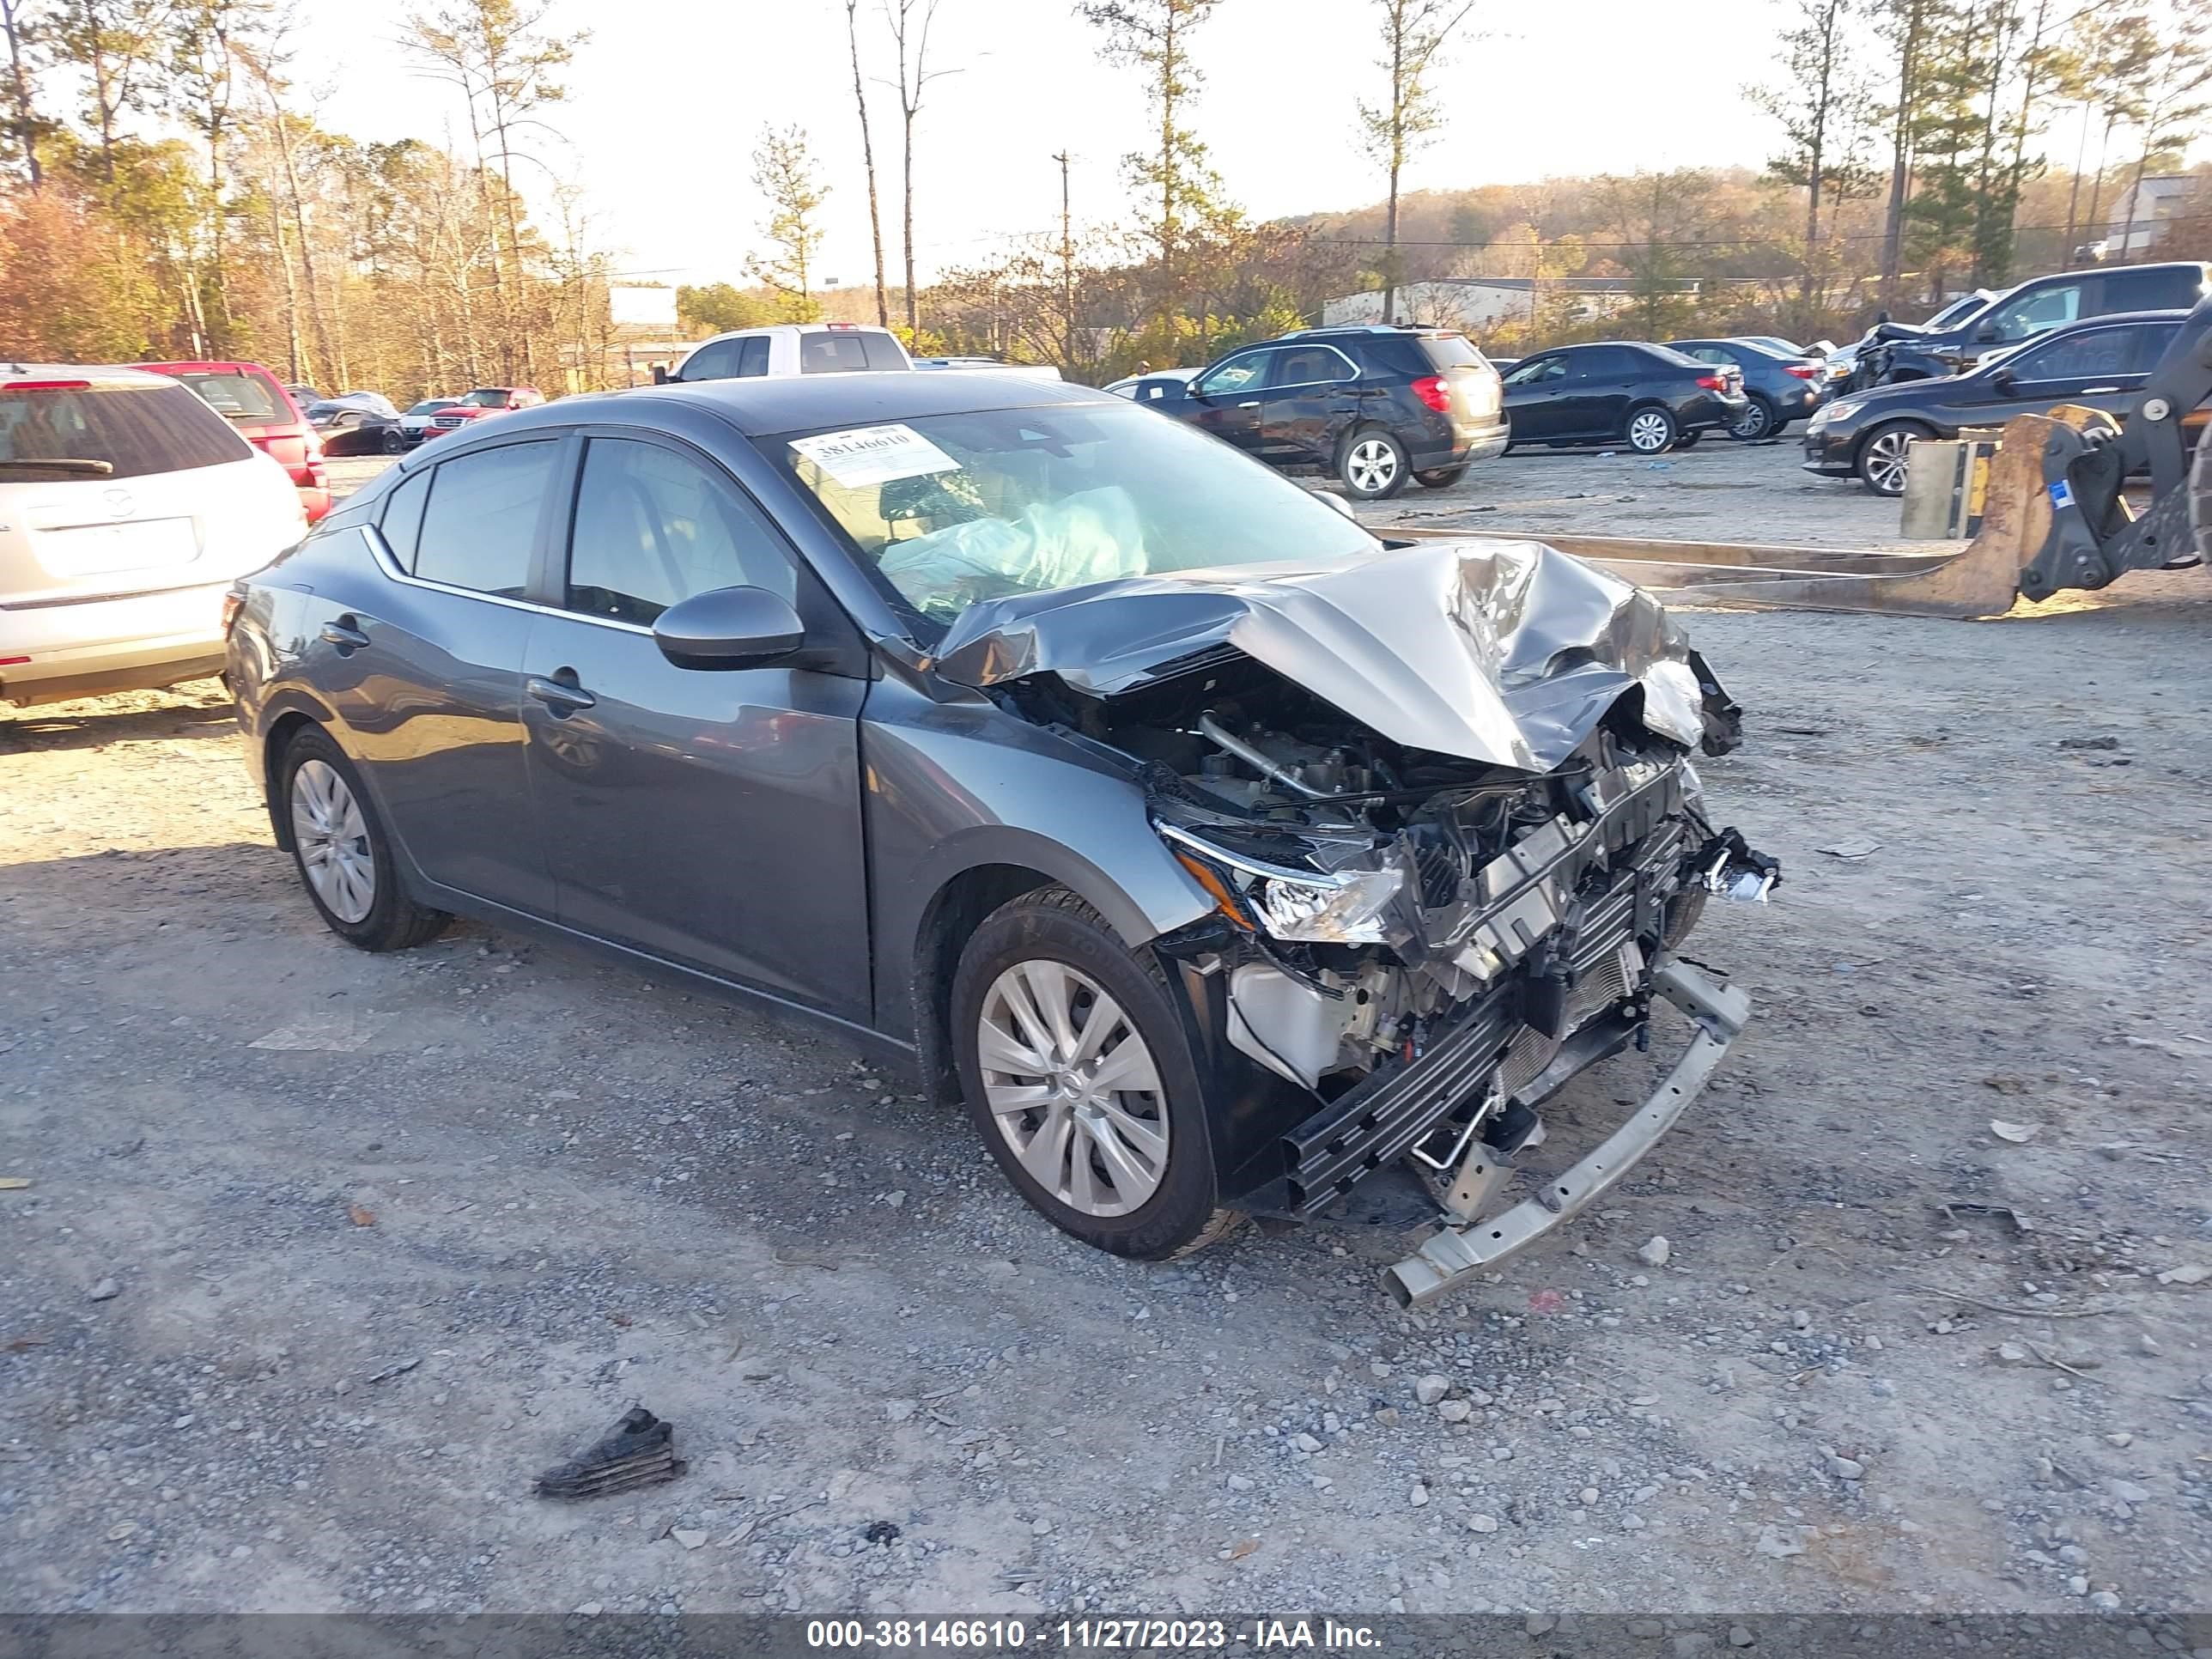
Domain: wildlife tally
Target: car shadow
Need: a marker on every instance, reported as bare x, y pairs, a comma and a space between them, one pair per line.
200, 710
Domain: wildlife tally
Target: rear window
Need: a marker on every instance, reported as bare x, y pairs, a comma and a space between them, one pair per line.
138, 431
838, 351
240, 396
490, 397
1450, 351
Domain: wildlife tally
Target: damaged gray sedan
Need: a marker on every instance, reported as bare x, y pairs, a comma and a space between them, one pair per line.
1216, 853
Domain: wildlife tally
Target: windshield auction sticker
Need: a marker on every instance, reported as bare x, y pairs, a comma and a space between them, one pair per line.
874, 454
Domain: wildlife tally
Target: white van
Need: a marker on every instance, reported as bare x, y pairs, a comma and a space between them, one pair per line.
783, 349
127, 508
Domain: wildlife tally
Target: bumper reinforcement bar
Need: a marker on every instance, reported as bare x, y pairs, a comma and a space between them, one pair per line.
1452, 1254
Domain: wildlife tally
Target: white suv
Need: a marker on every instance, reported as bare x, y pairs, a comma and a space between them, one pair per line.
790, 348
127, 508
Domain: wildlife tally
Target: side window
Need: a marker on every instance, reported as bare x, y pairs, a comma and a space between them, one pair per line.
1312, 365
1241, 372
2033, 313
482, 520
2151, 344
715, 361
402, 523
1541, 371
2079, 356
1707, 354
752, 357
654, 526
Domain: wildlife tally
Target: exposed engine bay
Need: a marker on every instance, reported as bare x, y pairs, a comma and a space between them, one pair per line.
1427, 942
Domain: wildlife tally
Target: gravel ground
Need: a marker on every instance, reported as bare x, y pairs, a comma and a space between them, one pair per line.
323, 1256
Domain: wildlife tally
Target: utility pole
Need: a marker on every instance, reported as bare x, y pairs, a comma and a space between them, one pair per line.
1067, 272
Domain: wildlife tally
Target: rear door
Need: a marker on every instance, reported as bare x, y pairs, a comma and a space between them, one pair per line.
2099, 367
424, 668
1227, 398
711, 818
1310, 398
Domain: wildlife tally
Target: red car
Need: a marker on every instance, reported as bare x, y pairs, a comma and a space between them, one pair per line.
263, 414
484, 400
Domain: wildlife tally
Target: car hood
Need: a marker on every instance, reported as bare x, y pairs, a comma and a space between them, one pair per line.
1504, 653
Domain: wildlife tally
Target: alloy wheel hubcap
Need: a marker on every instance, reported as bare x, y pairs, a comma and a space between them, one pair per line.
1648, 433
333, 837
1754, 423
1886, 459
1072, 1088
1374, 464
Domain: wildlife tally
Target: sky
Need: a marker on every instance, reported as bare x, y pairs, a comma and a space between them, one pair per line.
667, 99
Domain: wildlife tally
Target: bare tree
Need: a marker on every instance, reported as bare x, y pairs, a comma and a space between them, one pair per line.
910, 21
783, 171
1905, 23
1154, 36
1823, 104
1413, 34
21, 119
868, 159
117, 44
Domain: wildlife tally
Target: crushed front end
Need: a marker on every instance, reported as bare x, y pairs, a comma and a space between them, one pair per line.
1415, 946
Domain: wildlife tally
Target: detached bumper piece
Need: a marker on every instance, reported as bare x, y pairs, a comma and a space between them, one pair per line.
1454, 1254
639, 1450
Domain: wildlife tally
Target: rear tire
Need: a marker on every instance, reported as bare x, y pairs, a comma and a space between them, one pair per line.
1371, 464
1759, 422
1652, 430
341, 853
1110, 1145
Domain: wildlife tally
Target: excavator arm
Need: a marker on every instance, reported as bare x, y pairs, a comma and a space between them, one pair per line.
2095, 536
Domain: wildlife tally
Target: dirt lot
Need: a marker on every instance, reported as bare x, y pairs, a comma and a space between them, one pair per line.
323, 1255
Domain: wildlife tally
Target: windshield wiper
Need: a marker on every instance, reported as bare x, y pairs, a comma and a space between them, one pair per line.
62, 464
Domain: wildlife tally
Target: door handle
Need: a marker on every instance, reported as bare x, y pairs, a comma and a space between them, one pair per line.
1255, 403
343, 634
2097, 390
562, 700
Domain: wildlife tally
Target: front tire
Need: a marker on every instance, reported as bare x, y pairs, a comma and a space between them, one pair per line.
1372, 464
1652, 430
341, 851
1440, 478
1758, 421
1882, 456
1079, 1078
1688, 440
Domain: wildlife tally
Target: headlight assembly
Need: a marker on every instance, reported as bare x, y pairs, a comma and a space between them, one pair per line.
1303, 907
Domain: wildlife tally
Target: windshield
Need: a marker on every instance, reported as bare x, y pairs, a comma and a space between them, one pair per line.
953, 509
432, 405
1960, 309
489, 397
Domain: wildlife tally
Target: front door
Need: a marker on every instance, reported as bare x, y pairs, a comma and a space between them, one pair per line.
711, 818
1536, 398
2100, 368
425, 671
1311, 399
1228, 399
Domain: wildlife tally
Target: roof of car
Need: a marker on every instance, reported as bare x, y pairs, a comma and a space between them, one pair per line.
771, 403
98, 374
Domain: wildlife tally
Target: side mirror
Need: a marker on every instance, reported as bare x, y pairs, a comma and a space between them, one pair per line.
1987, 332
661, 376
1881, 317
729, 627
2004, 379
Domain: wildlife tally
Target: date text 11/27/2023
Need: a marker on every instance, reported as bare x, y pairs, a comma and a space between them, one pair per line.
1090, 1635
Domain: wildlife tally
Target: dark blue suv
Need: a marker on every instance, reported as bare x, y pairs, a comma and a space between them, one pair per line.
1373, 403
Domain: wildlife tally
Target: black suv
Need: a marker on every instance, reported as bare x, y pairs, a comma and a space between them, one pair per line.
1900, 352
1649, 397
1372, 403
